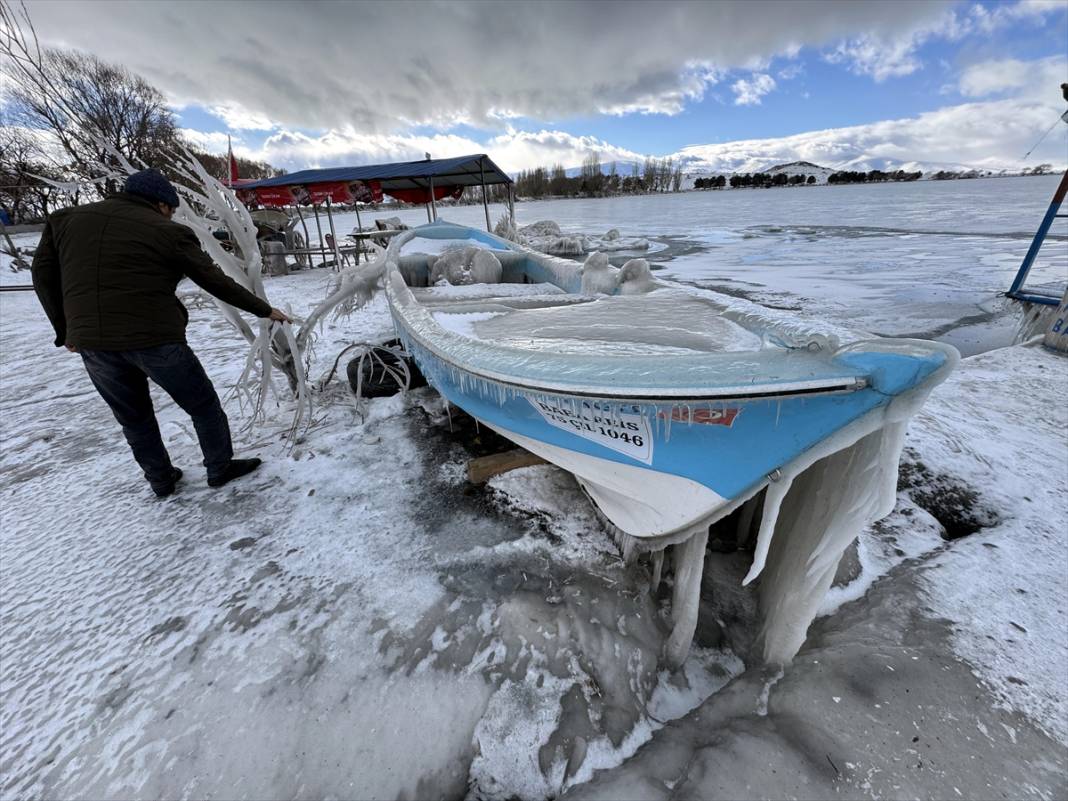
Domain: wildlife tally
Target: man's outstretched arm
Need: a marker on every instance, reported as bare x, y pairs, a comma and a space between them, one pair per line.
48, 284
202, 271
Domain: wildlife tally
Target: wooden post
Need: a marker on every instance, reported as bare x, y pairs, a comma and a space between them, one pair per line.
483, 468
433, 202
511, 204
485, 202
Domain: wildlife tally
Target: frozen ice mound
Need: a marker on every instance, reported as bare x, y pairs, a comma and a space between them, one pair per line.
598, 276
545, 236
540, 228
462, 266
635, 278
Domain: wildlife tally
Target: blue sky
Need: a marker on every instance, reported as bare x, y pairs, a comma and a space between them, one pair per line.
535, 83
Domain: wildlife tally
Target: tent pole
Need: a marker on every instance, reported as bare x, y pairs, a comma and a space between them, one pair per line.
511, 205
433, 202
485, 203
359, 229
319, 227
333, 235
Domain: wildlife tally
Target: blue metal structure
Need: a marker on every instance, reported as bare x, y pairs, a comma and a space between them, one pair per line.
1016, 290
474, 170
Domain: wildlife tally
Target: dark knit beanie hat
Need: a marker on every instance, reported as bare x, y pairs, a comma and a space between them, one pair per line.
151, 185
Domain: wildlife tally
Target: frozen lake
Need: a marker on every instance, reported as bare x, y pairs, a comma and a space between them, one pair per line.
925, 259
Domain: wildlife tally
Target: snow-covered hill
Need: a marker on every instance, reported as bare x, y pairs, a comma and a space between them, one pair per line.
801, 168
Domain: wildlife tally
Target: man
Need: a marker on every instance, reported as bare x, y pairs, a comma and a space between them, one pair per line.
106, 274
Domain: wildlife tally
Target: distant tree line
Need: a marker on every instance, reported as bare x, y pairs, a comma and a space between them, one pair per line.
712, 182
655, 175
117, 112
872, 176
767, 180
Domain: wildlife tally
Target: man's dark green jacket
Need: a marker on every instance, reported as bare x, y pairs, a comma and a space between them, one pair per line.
106, 274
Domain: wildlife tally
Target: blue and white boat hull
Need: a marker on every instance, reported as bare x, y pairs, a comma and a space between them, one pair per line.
663, 444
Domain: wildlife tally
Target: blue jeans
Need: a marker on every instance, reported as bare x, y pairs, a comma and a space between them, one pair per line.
121, 378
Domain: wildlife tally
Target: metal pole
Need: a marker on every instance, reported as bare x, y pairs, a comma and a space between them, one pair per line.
319, 228
1040, 235
433, 202
359, 228
485, 202
333, 235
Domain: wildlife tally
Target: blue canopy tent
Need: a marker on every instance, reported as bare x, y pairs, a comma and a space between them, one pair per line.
429, 178
414, 181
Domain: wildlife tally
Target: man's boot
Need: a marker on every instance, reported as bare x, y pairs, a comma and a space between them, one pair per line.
163, 490
235, 469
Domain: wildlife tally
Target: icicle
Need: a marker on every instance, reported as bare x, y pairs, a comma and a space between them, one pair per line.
689, 560
658, 566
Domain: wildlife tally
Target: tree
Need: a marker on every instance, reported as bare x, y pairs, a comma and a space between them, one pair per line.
558, 181
649, 172
219, 166
592, 177
91, 110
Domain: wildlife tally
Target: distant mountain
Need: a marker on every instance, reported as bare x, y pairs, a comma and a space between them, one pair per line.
801, 168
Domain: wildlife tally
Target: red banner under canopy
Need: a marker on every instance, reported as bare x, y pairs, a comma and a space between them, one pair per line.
274, 196
423, 195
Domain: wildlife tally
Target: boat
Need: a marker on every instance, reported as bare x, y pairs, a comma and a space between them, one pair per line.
672, 406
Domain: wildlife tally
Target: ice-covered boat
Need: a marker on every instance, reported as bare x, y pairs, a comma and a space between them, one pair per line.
671, 405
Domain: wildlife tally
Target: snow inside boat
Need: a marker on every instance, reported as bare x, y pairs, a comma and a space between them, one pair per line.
671, 405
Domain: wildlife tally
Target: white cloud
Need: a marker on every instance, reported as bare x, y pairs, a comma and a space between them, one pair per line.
211, 142
791, 71
512, 151
984, 135
297, 66
749, 92
877, 57
239, 118
999, 15
884, 54
1023, 78
695, 78
991, 135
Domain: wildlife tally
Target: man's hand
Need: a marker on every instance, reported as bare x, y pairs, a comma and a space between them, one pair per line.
279, 316
71, 348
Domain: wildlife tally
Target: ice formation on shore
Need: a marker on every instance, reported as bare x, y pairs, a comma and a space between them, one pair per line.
545, 236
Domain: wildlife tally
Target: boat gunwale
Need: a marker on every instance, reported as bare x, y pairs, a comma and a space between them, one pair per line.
684, 395
805, 387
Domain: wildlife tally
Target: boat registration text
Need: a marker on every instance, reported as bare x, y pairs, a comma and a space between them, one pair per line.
623, 430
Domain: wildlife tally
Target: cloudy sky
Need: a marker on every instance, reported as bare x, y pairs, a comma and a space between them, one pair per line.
726, 85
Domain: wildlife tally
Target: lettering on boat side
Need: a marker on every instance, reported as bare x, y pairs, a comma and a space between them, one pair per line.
708, 417
623, 429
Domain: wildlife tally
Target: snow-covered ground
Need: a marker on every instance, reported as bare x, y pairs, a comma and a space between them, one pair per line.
355, 621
